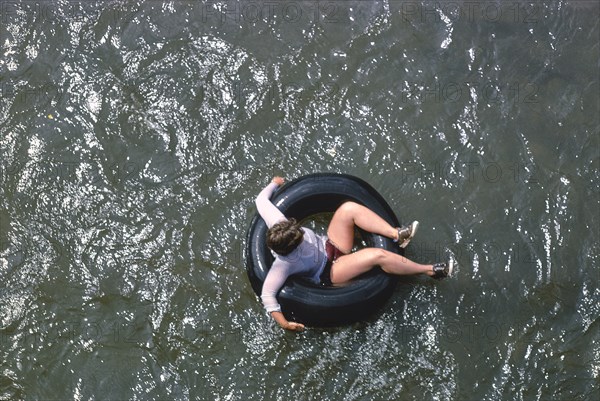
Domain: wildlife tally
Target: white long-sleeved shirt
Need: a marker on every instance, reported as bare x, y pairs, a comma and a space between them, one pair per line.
308, 259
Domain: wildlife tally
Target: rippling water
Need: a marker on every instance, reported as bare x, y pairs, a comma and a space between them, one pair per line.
135, 136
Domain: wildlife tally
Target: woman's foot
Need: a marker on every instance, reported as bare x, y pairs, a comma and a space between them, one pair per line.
443, 270
406, 233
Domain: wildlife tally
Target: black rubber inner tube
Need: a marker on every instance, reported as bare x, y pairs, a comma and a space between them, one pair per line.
301, 300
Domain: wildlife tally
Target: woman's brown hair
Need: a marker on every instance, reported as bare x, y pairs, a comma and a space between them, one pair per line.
284, 236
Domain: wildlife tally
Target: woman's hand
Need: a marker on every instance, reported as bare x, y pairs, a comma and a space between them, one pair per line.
278, 180
284, 323
293, 326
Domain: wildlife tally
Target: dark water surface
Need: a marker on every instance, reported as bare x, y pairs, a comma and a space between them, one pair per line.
134, 137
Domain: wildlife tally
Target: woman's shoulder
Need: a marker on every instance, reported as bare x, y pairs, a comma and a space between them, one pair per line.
311, 233
308, 230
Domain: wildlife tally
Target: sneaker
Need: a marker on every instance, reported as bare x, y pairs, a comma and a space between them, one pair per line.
443, 270
406, 233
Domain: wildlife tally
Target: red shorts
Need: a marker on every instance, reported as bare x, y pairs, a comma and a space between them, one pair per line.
333, 253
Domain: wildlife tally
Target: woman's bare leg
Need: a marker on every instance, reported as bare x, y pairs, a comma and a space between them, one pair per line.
346, 267
349, 214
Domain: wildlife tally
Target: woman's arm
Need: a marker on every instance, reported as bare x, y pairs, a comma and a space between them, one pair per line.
273, 282
267, 210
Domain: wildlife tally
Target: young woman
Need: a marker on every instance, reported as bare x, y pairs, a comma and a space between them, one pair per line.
328, 259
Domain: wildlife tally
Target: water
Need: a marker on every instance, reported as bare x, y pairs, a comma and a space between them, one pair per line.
135, 136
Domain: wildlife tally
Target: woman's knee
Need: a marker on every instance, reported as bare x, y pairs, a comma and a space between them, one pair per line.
379, 256
348, 207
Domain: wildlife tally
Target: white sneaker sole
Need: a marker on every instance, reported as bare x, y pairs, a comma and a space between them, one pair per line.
413, 231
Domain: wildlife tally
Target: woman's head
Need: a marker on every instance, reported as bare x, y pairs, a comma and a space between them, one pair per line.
284, 236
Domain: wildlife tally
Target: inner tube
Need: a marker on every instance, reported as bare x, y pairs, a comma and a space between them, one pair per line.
314, 304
